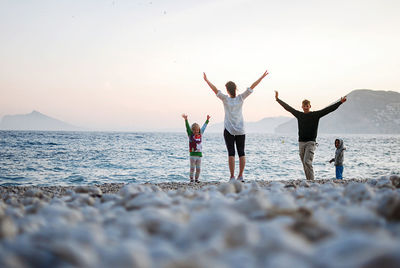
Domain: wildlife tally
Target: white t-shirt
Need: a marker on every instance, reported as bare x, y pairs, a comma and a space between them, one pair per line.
233, 122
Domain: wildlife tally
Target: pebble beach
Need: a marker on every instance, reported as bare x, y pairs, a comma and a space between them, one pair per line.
290, 223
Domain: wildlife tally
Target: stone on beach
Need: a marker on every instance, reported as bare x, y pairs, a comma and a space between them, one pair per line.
256, 224
91, 190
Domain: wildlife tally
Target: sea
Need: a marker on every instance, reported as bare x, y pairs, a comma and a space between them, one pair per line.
47, 158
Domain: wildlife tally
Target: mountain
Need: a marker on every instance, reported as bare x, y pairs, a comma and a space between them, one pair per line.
34, 121
265, 125
365, 111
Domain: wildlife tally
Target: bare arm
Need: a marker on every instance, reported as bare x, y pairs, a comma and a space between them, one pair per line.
259, 80
210, 84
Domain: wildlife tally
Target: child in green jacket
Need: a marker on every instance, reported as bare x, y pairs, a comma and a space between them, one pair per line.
195, 148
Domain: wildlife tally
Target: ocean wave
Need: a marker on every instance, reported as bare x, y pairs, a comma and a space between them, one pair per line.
84, 158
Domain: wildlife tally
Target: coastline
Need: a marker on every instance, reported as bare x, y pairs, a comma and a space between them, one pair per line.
291, 223
113, 188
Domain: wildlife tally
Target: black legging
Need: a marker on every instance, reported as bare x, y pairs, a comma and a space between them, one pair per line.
230, 143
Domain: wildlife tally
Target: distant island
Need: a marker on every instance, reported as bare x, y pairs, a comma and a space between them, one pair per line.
365, 112
35, 121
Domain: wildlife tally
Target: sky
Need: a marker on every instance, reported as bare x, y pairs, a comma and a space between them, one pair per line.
138, 65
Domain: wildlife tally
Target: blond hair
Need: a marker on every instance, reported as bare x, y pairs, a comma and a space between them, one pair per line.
195, 125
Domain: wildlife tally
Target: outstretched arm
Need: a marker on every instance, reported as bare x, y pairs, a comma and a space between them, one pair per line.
286, 106
210, 84
259, 80
203, 128
188, 129
332, 107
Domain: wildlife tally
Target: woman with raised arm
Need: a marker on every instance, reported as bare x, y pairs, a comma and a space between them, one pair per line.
234, 131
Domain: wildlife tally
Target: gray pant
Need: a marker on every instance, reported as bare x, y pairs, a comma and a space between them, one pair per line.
306, 151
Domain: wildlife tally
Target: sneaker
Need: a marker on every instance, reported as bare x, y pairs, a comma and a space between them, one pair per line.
240, 179
231, 179
191, 180
196, 181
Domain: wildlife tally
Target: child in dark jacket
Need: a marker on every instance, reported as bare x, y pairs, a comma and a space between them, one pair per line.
339, 157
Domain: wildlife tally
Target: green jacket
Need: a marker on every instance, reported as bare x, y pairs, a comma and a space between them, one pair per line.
195, 146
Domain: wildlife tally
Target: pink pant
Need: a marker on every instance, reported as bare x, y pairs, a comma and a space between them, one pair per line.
195, 162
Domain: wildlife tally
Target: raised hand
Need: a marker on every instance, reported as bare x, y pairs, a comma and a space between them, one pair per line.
208, 117
343, 99
259, 80
184, 116
265, 74
276, 94
210, 84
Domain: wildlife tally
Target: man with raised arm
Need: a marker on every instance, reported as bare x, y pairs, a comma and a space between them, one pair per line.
307, 122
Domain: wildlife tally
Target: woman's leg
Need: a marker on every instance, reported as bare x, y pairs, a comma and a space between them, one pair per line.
230, 146
240, 144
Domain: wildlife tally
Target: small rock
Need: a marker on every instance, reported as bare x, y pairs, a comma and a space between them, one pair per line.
83, 199
7, 228
227, 188
389, 259
34, 208
240, 235
350, 250
110, 197
148, 200
194, 262
360, 218
238, 186
276, 186
130, 191
310, 230
254, 187
253, 205
72, 253
12, 201
30, 200
34, 193
358, 192
128, 254
395, 181
291, 186
384, 182
9, 259
91, 190
389, 206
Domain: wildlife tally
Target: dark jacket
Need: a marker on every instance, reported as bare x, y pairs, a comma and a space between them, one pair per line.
308, 122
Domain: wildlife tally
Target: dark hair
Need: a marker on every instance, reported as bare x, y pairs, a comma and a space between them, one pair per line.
231, 87
306, 102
